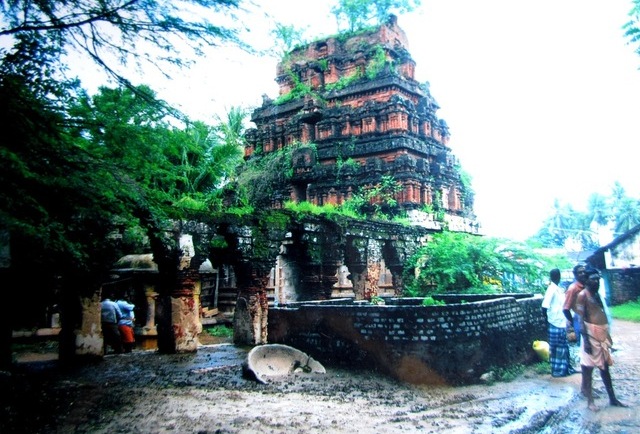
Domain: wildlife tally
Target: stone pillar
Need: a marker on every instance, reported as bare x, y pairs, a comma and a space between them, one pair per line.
150, 328
185, 315
395, 255
179, 313
359, 279
148, 333
356, 260
372, 279
251, 312
89, 340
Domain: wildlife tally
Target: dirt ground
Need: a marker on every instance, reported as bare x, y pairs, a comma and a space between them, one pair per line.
146, 392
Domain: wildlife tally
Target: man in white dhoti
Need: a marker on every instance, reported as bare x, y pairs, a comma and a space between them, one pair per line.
596, 341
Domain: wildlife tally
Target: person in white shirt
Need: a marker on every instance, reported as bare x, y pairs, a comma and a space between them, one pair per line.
552, 306
110, 315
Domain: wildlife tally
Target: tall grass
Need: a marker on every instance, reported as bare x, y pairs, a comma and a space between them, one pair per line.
629, 311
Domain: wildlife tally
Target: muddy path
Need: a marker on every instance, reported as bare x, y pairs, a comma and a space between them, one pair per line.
145, 392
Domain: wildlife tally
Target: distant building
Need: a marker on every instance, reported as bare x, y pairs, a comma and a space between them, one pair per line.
619, 262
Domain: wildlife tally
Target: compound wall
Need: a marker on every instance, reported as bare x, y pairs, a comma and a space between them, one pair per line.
451, 344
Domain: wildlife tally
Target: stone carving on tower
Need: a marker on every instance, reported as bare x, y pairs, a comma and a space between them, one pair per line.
354, 113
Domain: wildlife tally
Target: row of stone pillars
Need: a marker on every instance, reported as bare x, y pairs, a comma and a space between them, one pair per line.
311, 257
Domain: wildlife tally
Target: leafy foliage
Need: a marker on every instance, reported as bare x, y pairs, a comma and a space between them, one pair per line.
221, 331
632, 27
461, 263
617, 212
430, 301
286, 38
165, 167
52, 202
116, 33
357, 14
376, 200
77, 169
307, 208
263, 174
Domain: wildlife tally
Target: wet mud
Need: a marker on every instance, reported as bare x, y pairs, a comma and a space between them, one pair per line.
206, 392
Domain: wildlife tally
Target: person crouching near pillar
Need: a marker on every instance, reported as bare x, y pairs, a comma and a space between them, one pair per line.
596, 340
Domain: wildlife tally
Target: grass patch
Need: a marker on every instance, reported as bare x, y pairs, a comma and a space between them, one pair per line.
628, 311
542, 368
509, 373
220, 331
505, 374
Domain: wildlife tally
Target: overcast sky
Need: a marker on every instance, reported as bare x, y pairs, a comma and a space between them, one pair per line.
542, 97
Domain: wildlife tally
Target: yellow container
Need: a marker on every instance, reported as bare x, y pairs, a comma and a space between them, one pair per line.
542, 350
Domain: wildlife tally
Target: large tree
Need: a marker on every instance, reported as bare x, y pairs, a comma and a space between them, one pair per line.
73, 183
118, 33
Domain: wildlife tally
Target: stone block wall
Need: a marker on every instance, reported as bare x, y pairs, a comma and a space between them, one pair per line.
451, 344
625, 286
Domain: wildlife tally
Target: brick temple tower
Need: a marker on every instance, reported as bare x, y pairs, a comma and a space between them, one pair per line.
354, 113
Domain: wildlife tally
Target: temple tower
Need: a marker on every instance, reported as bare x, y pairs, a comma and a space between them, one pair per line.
354, 115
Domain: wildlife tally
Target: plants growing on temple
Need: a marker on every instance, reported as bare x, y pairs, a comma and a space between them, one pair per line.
377, 62
307, 208
261, 176
343, 82
299, 89
344, 167
286, 38
356, 14
377, 200
453, 262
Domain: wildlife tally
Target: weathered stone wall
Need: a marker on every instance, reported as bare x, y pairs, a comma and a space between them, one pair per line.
451, 344
624, 286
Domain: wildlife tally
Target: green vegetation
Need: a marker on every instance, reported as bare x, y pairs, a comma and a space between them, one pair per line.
618, 211
262, 175
628, 311
307, 208
299, 90
286, 38
462, 263
377, 300
220, 331
632, 27
376, 200
343, 82
542, 368
506, 374
377, 63
430, 301
358, 14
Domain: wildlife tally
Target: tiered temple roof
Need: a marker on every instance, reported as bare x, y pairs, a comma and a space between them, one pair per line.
351, 107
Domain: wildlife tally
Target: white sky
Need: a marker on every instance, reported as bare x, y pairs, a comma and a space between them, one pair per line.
542, 97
